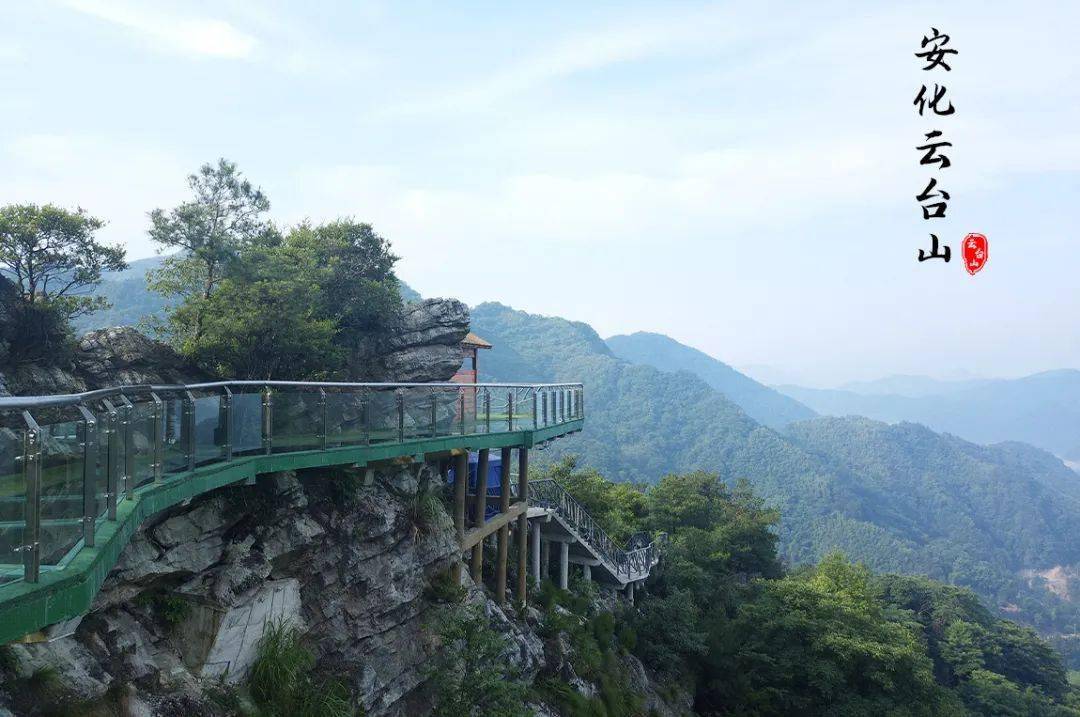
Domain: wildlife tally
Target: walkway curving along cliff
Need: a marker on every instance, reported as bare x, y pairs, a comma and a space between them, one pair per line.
80, 472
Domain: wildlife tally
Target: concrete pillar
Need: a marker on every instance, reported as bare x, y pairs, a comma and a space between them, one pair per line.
461, 480
523, 523
504, 532
479, 512
535, 537
586, 572
630, 592
564, 565
545, 558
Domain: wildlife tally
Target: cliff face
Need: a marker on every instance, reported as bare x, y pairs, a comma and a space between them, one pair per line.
188, 602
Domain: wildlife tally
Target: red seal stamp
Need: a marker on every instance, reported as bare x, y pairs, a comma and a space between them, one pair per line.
976, 253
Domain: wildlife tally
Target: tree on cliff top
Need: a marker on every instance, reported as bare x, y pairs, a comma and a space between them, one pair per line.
52, 259
257, 303
225, 214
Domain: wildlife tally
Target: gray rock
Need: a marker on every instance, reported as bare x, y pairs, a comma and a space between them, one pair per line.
124, 355
229, 640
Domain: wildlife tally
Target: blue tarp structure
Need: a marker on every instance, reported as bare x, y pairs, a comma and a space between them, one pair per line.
494, 486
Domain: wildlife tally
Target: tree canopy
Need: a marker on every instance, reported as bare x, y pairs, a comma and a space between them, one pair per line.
52, 259
252, 301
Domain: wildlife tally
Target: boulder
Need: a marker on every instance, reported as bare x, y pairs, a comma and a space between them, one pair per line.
124, 355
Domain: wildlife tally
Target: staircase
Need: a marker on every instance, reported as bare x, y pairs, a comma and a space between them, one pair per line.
626, 565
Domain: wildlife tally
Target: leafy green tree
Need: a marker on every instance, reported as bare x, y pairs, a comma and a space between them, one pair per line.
360, 290
225, 214
52, 259
470, 673
820, 643
264, 320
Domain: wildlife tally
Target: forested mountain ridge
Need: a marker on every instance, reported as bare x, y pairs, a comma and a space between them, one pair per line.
763, 404
901, 498
1042, 409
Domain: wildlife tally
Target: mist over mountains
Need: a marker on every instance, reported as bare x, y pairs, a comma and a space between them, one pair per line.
1042, 409
765, 405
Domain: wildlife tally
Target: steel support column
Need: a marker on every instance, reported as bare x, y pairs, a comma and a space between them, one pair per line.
461, 481
523, 523
536, 551
479, 513
504, 531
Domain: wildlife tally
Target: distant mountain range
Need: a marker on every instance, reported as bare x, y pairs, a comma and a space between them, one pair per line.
901, 497
1042, 409
763, 404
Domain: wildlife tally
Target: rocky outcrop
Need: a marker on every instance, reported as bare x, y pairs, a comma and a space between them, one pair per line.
103, 358
424, 346
188, 602
124, 355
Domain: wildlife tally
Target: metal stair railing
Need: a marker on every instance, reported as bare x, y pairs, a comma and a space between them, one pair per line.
634, 562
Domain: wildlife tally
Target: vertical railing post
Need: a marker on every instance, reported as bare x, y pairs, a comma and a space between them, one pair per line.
400, 396
158, 437
365, 414
461, 411
487, 411
89, 476
127, 424
509, 411
535, 410
267, 420
190, 443
225, 423
112, 474
32, 479
543, 406
434, 412
323, 427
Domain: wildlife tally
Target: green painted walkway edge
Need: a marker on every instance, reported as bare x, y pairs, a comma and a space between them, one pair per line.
69, 592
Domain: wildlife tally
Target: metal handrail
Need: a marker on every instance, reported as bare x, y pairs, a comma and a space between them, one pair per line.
124, 437
634, 563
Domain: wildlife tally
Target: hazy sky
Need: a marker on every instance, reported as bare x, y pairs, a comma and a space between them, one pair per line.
740, 176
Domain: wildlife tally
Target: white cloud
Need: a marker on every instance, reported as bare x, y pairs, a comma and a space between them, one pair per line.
83, 170
172, 31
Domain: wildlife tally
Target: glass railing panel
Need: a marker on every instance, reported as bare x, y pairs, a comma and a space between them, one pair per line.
142, 444
296, 421
417, 403
175, 450
105, 426
384, 416
61, 491
523, 409
209, 431
12, 504
345, 422
447, 412
247, 422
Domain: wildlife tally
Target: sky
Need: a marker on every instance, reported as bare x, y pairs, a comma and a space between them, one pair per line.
739, 176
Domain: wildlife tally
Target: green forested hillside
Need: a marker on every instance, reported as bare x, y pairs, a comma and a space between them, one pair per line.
1042, 409
126, 291
901, 498
765, 405
723, 619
